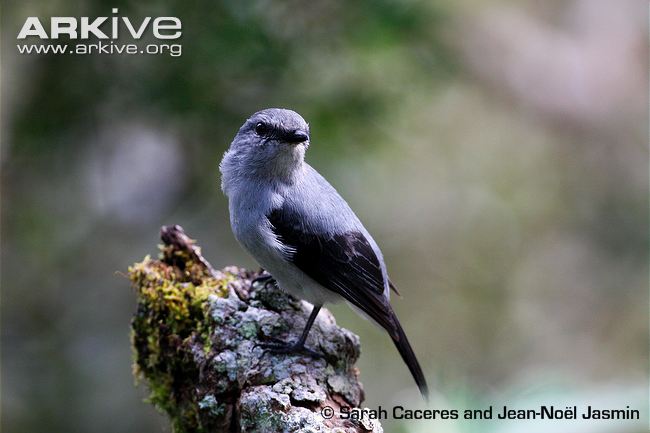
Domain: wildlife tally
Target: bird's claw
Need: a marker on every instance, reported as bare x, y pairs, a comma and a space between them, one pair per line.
264, 279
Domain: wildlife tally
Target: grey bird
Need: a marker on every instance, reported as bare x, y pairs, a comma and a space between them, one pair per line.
299, 229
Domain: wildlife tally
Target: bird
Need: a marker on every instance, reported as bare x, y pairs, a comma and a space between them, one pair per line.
300, 230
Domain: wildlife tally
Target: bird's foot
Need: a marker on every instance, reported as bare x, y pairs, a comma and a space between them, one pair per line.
281, 347
264, 279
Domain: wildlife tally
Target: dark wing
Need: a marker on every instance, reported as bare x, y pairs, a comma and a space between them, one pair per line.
393, 288
343, 263
346, 264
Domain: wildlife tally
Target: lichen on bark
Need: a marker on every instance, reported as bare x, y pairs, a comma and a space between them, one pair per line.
198, 339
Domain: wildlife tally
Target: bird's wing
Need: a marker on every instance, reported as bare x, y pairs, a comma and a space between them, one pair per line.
344, 263
347, 264
393, 288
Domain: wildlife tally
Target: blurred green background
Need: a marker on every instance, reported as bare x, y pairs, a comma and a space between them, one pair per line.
497, 151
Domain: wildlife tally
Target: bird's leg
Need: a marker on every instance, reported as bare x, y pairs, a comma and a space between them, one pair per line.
298, 346
310, 322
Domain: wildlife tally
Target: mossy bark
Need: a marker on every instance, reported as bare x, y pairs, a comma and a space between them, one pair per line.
198, 338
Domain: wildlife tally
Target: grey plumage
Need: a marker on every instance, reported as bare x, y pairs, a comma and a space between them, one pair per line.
297, 226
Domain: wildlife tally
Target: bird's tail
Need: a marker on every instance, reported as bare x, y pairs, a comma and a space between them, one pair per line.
405, 350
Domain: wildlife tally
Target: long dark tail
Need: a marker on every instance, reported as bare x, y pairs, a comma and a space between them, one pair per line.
404, 348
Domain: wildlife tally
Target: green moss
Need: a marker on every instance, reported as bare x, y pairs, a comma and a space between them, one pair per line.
172, 294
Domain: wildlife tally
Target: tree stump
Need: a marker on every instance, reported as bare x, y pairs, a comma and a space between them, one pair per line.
198, 339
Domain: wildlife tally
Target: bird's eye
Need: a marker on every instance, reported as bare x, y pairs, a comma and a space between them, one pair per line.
261, 128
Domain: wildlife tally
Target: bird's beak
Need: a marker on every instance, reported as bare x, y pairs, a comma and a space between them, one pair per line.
296, 136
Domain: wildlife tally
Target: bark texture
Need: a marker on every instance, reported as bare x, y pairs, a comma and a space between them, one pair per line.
198, 338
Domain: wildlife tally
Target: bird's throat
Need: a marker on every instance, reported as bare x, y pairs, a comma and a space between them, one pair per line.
288, 165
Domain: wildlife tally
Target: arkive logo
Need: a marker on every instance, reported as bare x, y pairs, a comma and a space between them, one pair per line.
109, 28
82, 27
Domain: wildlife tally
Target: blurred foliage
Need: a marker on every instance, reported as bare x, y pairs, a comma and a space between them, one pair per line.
236, 55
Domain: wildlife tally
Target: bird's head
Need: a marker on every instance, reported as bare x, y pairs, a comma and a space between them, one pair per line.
271, 143
275, 128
